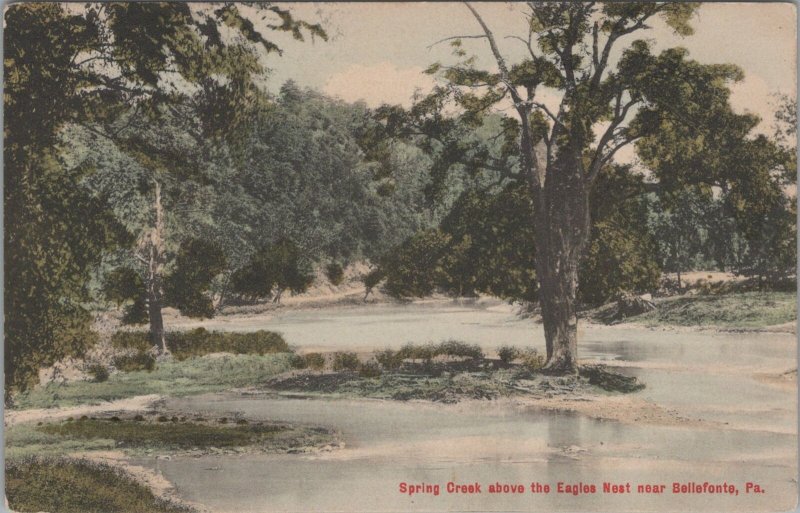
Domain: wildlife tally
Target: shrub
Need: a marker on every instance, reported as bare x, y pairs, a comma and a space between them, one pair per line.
507, 353
345, 361
98, 372
200, 341
334, 273
388, 359
457, 348
298, 362
135, 362
369, 370
447, 348
315, 361
531, 359
139, 340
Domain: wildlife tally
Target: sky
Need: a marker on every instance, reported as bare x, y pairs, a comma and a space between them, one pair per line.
377, 51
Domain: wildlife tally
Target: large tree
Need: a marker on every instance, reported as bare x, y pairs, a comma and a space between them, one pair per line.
614, 90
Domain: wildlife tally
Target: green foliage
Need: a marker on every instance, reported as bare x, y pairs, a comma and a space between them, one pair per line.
621, 255
429, 351
531, 359
135, 362
197, 263
280, 266
78, 486
415, 268
345, 361
314, 361
298, 362
98, 372
199, 341
138, 340
369, 370
492, 245
388, 359
335, 273
56, 232
508, 354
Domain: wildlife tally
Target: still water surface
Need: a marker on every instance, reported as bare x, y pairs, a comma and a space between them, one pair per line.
705, 375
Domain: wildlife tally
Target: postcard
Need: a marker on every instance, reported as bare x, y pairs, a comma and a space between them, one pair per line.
400, 256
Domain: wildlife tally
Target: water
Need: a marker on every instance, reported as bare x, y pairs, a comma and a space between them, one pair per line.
701, 375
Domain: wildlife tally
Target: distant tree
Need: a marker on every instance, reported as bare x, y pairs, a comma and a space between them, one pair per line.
414, 269
622, 254
371, 280
335, 273
273, 270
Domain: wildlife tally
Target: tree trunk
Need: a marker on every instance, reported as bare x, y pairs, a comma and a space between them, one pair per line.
561, 231
277, 298
155, 270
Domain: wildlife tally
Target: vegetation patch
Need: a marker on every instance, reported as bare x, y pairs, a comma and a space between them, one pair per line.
199, 342
743, 310
195, 434
78, 486
452, 380
174, 378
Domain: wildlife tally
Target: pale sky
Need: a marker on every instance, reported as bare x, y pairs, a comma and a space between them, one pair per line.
378, 50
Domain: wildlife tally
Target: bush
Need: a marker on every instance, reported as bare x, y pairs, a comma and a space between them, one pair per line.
447, 348
507, 354
457, 348
388, 359
369, 370
531, 359
315, 361
98, 372
297, 362
139, 340
135, 362
200, 341
334, 273
345, 361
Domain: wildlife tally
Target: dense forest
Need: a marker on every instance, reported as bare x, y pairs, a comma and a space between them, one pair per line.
167, 176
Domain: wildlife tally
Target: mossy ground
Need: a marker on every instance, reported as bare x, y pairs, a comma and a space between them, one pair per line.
78, 486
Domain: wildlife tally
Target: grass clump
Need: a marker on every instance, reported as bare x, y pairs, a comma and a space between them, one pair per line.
507, 354
135, 362
531, 359
98, 372
78, 486
313, 361
345, 361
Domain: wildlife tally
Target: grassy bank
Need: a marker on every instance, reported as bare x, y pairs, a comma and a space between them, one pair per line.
176, 378
165, 434
78, 486
740, 310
